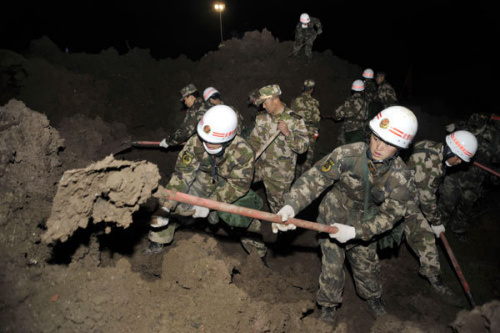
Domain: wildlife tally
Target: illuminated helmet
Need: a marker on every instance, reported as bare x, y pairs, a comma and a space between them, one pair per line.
209, 92
395, 125
368, 73
218, 124
304, 18
358, 85
463, 144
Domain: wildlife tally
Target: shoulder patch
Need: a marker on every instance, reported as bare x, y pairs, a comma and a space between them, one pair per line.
327, 166
187, 157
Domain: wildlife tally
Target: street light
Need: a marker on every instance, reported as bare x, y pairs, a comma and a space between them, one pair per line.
219, 7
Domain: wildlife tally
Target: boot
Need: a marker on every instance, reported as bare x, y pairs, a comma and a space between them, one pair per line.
443, 290
376, 306
328, 314
154, 248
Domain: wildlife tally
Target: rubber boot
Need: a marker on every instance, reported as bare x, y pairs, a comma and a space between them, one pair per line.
376, 306
328, 314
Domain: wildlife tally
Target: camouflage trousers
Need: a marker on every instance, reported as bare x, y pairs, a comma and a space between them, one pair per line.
277, 183
365, 266
306, 160
305, 41
421, 239
458, 194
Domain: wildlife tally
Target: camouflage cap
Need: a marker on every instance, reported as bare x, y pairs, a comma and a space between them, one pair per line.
253, 96
309, 83
189, 89
266, 92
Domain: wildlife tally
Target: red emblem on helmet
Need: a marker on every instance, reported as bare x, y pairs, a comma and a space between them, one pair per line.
206, 129
384, 123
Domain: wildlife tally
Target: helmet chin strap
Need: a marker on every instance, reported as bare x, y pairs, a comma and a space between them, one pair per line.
212, 151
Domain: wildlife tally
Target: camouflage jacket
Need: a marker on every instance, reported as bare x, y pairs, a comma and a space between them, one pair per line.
427, 168
233, 171
386, 94
390, 187
241, 120
282, 152
370, 91
314, 27
188, 126
354, 112
308, 108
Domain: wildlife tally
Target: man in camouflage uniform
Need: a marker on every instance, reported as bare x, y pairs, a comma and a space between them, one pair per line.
305, 33
221, 171
462, 189
196, 107
371, 188
354, 114
212, 97
308, 108
370, 93
276, 164
427, 164
385, 92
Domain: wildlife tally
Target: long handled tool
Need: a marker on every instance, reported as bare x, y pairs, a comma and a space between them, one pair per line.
493, 172
229, 208
146, 144
267, 144
461, 277
495, 117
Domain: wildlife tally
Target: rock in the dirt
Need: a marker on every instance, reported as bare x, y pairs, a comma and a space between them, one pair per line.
106, 191
484, 318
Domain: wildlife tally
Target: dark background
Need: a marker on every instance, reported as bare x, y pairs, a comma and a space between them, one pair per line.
440, 51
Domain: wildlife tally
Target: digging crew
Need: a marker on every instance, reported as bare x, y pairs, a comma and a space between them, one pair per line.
371, 188
428, 163
461, 190
216, 164
354, 114
308, 108
212, 97
385, 92
275, 167
196, 107
306, 32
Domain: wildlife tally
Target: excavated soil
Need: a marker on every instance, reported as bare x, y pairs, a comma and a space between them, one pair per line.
62, 115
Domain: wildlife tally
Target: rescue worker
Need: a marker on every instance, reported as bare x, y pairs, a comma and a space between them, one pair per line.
196, 107
275, 167
370, 93
428, 163
462, 189
306, 32
371, 188
308, 108
385, 92
354, 114
216, 163
212, 97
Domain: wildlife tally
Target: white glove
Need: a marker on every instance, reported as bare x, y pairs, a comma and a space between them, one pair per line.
345, 233
450, 128
437, 229
159, 221
200, 211
164, 143
286, 212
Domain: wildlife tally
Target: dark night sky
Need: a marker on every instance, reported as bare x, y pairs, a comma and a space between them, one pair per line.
445, 44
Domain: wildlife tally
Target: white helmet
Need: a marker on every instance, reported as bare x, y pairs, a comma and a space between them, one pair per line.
395, 125
368, 73
304, 18
218, 124
207, 93
358, 85
463, 144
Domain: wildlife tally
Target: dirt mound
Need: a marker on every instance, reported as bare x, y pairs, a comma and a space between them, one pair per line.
484, 318
106, 191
